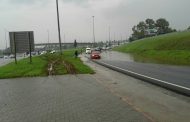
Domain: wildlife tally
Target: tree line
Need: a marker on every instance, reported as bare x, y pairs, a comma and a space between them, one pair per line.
160, 26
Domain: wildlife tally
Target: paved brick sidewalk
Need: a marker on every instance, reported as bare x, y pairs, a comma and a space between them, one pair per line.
62, 99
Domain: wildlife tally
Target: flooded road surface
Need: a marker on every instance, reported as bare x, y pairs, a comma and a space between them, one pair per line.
117, 56
178, 75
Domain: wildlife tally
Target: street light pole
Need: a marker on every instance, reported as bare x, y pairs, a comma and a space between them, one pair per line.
93, 32
5, 39
60, 46
109, 37
48, 40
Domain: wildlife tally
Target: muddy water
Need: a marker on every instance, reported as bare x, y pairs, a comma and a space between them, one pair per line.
115, 56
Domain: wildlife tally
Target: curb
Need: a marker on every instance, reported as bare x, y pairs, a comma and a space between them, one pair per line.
164, 84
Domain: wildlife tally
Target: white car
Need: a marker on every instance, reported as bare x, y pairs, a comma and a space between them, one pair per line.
88, 50
43, 52
6, 57
53, 51
11, 56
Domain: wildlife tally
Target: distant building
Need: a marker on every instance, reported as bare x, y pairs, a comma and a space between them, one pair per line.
21, 41
151, 32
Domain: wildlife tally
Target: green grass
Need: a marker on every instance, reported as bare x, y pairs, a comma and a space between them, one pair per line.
78, 64
173, 48
24, 68
39, 66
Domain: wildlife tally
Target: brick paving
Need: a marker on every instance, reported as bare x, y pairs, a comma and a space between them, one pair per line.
62, 99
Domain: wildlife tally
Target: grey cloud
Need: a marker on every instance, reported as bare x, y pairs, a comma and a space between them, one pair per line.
82, 3
77, 1
21, 2
44, 2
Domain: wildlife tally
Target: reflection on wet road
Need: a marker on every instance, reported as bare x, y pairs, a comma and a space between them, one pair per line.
173, 74
115, 56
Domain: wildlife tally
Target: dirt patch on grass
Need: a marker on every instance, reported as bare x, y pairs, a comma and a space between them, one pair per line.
53, 64
69, 67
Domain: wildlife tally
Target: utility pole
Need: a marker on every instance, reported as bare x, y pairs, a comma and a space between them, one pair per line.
30, 46
58, 23
114, 36
109, 37
64, 39
121, 38
5, 39
48, 40
93, 32
15, 46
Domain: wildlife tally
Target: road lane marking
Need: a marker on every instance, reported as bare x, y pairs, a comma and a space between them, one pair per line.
147, 76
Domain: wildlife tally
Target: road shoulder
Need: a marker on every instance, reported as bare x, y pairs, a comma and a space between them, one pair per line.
155, 102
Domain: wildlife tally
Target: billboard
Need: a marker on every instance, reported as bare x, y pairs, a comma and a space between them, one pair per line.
22, 40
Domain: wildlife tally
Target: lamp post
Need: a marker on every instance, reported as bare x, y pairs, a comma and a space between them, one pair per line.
93, 32
48, 40
58, 23
109, 37
5, 38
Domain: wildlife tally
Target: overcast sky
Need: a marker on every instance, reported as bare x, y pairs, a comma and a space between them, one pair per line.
76, 17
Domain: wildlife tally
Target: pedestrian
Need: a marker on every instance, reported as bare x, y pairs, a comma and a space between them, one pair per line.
76, 54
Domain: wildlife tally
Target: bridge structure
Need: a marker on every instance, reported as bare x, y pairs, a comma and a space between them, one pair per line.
55, 46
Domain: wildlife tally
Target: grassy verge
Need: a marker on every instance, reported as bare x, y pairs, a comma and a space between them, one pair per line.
171, 48
24, 68
78, 64
39, 66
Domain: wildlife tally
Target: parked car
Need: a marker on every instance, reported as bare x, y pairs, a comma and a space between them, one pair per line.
88, 50
95, 55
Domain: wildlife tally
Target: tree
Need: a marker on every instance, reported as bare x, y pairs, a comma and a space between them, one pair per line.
138, 30
141, 26
162, 26
75, 43
188, 28
150, 23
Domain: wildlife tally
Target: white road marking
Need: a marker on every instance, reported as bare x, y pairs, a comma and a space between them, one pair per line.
147, 76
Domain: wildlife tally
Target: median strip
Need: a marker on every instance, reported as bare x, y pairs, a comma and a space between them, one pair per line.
45, 65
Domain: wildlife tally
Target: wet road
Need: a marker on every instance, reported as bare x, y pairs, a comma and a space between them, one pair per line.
8, 60
5, 61
173, 74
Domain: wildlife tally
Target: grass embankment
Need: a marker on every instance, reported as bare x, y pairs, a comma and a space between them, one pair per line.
173, 48
65, 64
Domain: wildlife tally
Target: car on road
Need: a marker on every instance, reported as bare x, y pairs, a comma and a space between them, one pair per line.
95, 55
6, 57
88, 50
11, 56
98, 49
43, 52
53, 51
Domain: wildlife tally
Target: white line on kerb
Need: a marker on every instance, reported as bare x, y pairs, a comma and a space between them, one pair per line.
147, 76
